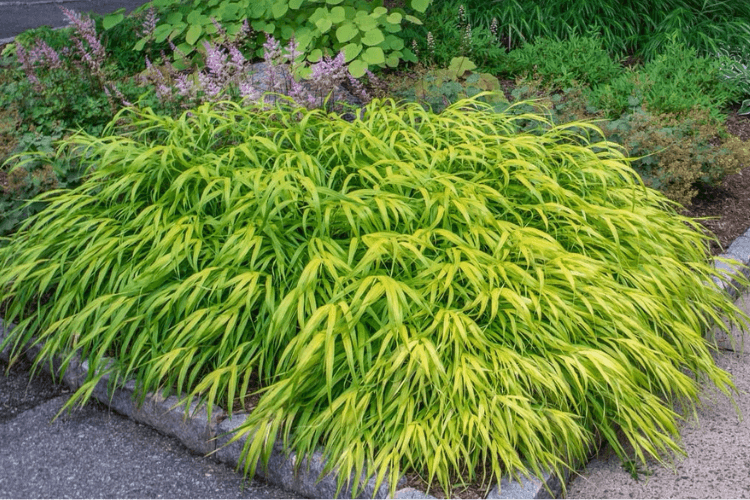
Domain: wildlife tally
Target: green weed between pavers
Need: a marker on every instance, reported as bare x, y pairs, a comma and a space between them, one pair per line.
414, 291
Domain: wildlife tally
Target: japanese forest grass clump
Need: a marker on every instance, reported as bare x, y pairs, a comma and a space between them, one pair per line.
438, 293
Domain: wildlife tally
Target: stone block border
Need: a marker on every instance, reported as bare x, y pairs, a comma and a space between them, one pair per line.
205, 436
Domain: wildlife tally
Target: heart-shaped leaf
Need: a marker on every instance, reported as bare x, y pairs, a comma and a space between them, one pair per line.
351, 51
338, 14
346, 32
373, 37
366, 23
323, 24
315, 55
420, 5
279, 9
394, 18
112, 20
358, 68
193, 34
374, 55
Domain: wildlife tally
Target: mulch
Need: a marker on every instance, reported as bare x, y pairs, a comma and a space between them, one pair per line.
729, 203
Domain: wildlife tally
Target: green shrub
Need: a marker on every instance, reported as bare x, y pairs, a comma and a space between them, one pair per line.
675, 81
365, 31
677, 153
439, 88
626, 26
412, 290
34, 170
577, 60
449, 32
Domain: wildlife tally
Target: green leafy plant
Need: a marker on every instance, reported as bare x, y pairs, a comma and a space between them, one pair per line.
675, 81
676, 153
34, 170
365, 31
72, 86
576, 60
440, 88
412, 290
626, 27
449, 31
734, 69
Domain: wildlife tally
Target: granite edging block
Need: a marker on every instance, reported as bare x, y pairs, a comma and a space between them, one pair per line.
740, 249
528, 488
282, 467
4, 330
727, 269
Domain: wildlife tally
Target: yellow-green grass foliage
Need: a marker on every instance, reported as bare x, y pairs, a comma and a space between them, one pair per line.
437, 293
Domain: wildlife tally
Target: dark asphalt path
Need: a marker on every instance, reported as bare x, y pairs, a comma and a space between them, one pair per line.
17, 16
95, 453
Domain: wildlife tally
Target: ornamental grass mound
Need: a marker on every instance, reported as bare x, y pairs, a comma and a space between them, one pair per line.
437, 293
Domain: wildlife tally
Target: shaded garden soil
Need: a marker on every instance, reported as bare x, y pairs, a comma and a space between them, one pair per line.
728, 205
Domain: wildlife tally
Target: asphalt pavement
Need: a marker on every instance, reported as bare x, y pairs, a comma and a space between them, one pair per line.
16, 16
96, 453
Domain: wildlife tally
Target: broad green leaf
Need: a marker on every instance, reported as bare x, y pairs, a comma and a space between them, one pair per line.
193, 34
394, 43
195, 17
357, 68
373, 55
295, 4
174, 18
394, 18
346, 32
323, 24
162, 32
366, 23
315, 55
351, 51
420, 5
373, 37
392, 61
338, 15
112, 20
379, 12
413, 20
280, 9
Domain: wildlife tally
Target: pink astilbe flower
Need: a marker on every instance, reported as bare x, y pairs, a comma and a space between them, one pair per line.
26, 65
85, 29
216, 62
42, 53
184, 85
327, 74
159, 80
149, 23
271, 50
248, 91
237, 59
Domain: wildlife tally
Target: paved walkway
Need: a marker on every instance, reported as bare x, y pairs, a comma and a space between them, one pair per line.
97, 453
17, 16
718, 448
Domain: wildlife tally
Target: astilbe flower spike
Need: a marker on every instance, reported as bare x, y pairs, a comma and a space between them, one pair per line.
85, 30
149, 23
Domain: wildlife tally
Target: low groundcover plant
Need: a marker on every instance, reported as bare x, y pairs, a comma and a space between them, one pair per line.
414, 291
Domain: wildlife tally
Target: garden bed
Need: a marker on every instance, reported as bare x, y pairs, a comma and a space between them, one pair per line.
357, 264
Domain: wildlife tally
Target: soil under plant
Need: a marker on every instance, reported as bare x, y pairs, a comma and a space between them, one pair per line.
729, 203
